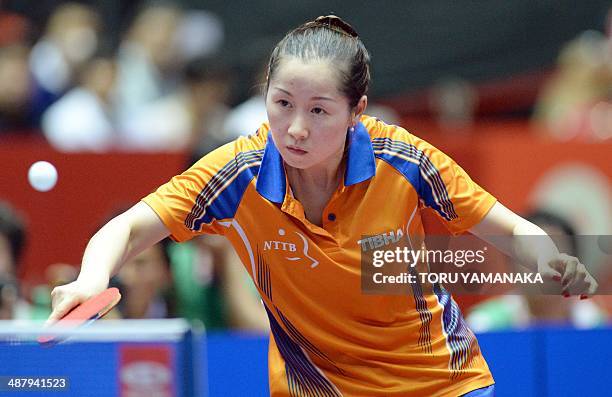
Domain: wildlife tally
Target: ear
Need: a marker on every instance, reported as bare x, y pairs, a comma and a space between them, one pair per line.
359, 109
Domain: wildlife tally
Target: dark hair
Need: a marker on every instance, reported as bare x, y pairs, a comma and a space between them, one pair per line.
13, 227
203, 69
544, 218
328, 38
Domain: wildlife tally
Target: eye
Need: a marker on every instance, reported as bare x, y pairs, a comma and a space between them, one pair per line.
284, 103
318, 111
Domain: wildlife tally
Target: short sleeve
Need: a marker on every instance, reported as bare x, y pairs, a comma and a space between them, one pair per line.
205, 198
446, 188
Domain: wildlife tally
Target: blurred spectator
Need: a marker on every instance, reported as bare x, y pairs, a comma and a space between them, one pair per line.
577, 101
454, 102
83, 119
147, 59
519, 311
191, 118
212, 286
200, 34
71, 37
144, 282
14, 28
15, 90
12, 240
208, 88
246, 117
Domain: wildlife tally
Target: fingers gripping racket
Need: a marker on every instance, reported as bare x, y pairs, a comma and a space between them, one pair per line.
85, 313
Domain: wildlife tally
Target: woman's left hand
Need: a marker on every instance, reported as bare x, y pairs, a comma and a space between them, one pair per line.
573, 275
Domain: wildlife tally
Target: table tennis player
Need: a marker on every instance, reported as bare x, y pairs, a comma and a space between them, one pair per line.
296, 197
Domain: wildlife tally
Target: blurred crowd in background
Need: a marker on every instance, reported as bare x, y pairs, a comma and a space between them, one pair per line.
162, 88
165, 87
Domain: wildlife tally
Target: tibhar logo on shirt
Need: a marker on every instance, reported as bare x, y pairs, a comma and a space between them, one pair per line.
381, 240
291, 248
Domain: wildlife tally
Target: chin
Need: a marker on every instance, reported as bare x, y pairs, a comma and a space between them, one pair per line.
299, 162
293, 163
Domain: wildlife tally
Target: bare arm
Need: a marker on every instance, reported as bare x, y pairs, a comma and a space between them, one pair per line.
540, 253
116, 242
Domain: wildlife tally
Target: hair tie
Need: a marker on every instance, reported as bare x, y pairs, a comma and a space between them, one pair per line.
336, 24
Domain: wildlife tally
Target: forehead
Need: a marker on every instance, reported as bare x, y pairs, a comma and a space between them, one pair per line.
318, 77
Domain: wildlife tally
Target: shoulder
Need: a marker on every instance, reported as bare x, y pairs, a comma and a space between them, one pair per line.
404, 151
244, 147
393, 138
381, 131
253, 142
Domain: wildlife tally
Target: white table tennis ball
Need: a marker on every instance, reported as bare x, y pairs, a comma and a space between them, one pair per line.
42, 176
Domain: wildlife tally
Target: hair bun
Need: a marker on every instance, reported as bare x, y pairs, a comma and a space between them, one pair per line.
336, 23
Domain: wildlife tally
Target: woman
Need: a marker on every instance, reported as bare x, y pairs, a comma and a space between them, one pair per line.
295, 199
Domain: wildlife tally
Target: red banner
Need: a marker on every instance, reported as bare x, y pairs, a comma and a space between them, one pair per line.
146, 371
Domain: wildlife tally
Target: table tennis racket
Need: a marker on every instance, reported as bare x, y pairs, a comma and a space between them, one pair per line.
85, 313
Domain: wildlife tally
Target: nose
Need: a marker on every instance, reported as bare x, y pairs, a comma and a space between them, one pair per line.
298, 129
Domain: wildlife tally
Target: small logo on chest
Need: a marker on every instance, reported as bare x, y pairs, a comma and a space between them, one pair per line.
289, 247
279, 246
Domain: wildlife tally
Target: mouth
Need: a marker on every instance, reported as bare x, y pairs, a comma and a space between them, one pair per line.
296, 150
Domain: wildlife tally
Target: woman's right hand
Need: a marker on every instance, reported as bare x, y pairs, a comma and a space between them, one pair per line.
65, 297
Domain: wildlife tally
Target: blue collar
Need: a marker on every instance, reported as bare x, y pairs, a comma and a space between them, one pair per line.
361, 166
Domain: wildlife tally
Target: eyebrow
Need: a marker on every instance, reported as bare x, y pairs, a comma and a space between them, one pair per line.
318, 98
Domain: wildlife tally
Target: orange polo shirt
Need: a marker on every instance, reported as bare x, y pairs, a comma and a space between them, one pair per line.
327, 337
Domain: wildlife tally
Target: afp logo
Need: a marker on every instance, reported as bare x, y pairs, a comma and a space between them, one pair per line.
291, 248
